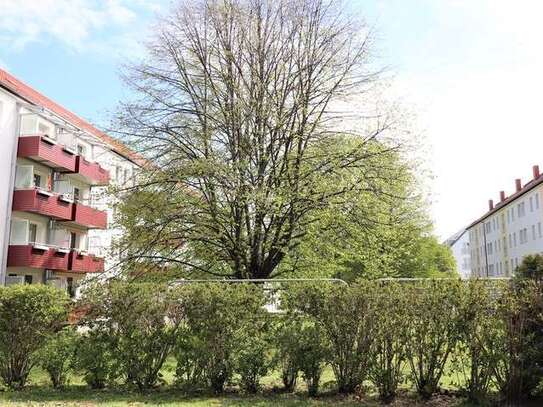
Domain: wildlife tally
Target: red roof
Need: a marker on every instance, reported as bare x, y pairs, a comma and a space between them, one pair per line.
31, 95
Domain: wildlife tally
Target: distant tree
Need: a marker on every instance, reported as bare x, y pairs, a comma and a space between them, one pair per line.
241, 106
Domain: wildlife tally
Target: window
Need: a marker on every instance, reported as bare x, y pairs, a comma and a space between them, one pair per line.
537, 200
32, 232
512, 214
539, 229
37, 180
28, 279
82, 150
533, 232
73, 240
508, 217
521, 210
515, 239
510, 241
77, 194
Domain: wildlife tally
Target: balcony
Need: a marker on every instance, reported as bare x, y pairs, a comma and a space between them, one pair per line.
85, 263
46, 151
43, 203
88, 217
90, 173
38, 256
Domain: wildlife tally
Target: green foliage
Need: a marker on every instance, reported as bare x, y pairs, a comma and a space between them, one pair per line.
311, 355
529, 278
346, 316
252, 360
389, 349
475, 357
286, 343
218, 319
433, 312
95, 360
29, 316
141, 321
57, 356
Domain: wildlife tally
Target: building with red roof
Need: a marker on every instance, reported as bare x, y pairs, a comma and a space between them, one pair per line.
57, 218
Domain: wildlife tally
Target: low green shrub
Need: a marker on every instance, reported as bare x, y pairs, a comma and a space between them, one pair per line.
95, 360
346, 315
434, 330
57, 356
29, 316
218, 317
286, 342
389, 348
311, 355
141, 321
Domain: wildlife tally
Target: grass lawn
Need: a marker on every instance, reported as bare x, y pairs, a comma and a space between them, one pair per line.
39, 393
81, 396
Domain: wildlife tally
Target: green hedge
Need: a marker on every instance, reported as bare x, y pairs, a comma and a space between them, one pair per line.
386, 334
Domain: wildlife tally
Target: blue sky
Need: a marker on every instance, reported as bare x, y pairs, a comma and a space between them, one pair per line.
469, 69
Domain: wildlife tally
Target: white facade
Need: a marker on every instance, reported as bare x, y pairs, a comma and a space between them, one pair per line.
509, 231
460, 247
22, 113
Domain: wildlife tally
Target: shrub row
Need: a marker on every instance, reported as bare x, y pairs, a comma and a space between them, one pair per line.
386, 333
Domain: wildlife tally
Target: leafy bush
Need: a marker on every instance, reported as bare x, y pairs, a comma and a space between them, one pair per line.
311, 354
481, 330
29, 316
389, 348
95, 360
347, 318
512, 341
218, 317
191, 361
433, 313
252, 360
141, 321
286, 342
530, 272
57, 356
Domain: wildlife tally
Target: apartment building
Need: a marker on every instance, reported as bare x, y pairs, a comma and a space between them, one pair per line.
510, 230
459, 244
55, 168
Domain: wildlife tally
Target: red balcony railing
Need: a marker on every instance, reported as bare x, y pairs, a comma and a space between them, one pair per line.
89, 217
92, 173
85, 263
40, 148
37, 257
43, 203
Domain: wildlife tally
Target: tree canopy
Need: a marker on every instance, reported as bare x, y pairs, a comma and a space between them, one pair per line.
261, 121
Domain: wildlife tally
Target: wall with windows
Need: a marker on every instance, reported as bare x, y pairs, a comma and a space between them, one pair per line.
500, 242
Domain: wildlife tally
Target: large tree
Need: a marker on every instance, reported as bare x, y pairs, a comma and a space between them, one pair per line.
246, 110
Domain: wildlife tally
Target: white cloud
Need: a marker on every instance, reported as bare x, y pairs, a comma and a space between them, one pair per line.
80, 25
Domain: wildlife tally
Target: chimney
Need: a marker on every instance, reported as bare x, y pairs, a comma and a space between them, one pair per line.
535, 171
490, 204
518, 184
502, 196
